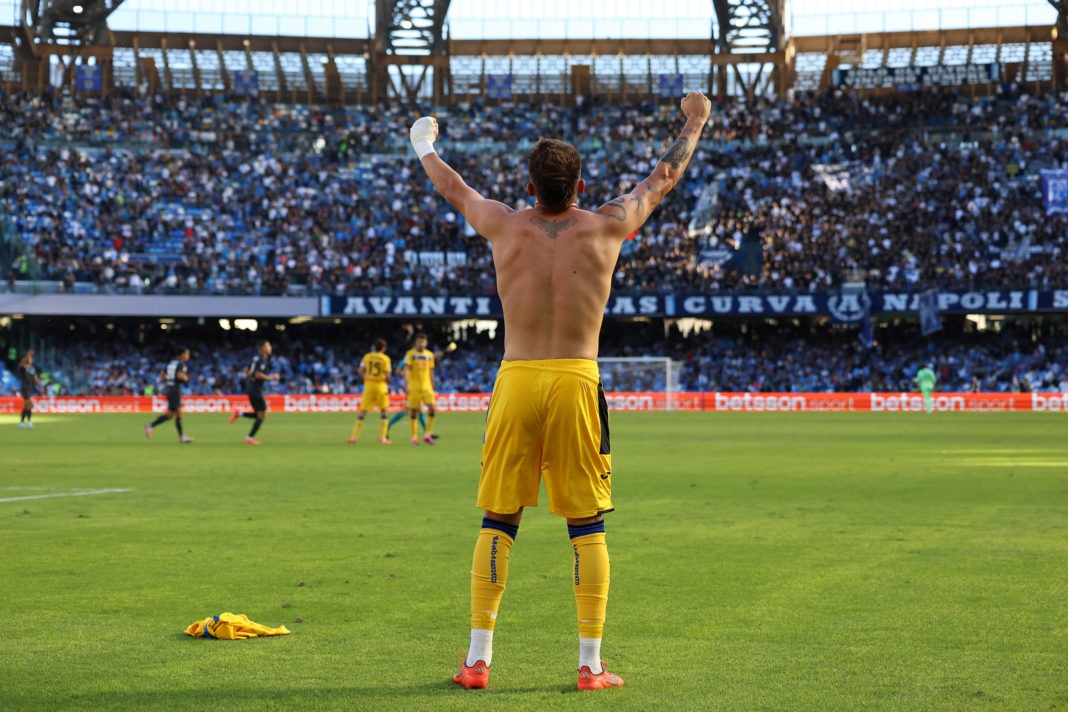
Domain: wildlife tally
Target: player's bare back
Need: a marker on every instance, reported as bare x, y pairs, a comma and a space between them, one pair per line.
554, 274
554, 263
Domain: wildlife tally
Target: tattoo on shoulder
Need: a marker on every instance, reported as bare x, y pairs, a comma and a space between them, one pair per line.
553, 228
678, 153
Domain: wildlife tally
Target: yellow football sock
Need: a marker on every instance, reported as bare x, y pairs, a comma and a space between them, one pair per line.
591, 579
357, 428
489, 570
383, 428
429, 424
413, 426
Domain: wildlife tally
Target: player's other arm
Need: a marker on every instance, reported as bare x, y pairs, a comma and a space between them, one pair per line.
438, 355
483, 214
629, 212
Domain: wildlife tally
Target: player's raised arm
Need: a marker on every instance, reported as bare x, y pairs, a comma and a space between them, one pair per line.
633, 209
438, 355
480, 212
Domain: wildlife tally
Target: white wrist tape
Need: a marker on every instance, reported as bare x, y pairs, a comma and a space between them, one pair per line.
422, 135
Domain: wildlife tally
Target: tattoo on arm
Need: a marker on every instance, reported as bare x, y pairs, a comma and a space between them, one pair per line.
553, 228
638, 198
679, 152
618, 208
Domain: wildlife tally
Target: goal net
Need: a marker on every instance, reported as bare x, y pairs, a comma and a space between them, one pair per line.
641, 374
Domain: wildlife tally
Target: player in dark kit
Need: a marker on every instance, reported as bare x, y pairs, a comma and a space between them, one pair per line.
29, 382
257, 372
174, 376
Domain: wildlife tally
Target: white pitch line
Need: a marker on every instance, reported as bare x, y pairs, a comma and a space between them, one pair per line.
78, 493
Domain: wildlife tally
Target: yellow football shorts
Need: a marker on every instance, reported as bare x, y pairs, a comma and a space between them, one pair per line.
547, 419
419, 397
375, 396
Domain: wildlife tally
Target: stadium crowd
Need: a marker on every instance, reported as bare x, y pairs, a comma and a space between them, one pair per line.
807, 358
218, 195
732, 356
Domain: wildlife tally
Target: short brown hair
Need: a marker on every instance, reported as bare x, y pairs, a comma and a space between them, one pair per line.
554, 167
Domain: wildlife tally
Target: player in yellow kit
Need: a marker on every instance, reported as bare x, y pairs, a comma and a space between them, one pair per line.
547, 418
375, 368
419, 385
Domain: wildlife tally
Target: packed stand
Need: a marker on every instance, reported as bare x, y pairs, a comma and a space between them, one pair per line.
732, 356
759, 357
128, 359
173, 195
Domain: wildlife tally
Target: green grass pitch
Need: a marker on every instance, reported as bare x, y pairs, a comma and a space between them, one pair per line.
759, 561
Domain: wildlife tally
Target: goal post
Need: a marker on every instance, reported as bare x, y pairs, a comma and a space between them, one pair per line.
641, 374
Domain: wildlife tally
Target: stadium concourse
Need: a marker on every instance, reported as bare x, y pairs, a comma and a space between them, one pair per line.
229, 196
733, 356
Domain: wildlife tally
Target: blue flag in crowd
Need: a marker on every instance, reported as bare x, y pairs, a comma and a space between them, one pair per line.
867, 331
499, 86
929, 320
749, 257
669, 86
88, 77
1055, 191
246, 82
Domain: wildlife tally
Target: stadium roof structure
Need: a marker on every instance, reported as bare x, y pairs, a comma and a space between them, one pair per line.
407, 30
410, 57
1061, 6
67, 21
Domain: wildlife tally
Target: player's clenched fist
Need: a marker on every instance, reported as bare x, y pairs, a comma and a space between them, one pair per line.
422, 135
696, 105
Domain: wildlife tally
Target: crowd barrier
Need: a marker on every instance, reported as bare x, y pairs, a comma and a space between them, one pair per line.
625, 401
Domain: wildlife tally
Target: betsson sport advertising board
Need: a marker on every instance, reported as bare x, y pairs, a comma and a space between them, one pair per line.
712, 401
